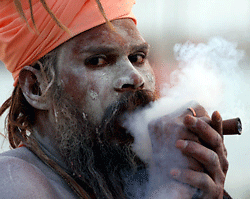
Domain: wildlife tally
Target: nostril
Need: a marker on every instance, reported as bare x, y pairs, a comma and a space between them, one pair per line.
142, 85
124, 86
131, 86
130, 81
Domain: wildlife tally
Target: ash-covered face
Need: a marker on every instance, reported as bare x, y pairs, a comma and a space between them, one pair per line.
99, 157
99, 65
103, 73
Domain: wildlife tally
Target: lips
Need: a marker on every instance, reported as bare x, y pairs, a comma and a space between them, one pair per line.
112, 128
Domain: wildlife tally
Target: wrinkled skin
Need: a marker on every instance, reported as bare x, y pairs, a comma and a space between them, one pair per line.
113, 73
206, 165
95, 68
104, 65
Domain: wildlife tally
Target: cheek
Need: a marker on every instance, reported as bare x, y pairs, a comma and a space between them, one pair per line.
149, 78
75, 86
97, 99
93, 92
99, 91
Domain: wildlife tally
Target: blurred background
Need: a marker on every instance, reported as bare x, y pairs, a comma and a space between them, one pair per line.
163, 23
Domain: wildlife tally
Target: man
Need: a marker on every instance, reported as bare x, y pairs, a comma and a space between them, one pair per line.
73, 85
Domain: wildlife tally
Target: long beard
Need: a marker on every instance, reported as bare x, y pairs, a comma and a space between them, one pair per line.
99, 157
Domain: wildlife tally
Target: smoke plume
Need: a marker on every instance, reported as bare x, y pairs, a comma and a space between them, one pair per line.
210, 74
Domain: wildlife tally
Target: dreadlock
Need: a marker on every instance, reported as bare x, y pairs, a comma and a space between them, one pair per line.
20, 117
21, 114
58, 22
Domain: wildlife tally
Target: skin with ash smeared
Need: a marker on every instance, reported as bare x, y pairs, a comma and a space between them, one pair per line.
103, 65
95, 68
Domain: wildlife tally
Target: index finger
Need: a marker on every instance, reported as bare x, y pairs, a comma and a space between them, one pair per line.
203, 130
216, 123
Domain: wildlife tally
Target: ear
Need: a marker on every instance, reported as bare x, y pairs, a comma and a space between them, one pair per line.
30, 82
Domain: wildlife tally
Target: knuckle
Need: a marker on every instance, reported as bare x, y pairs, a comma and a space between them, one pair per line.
225, 151
225, 166
217, 141
204, 182
164, 124
188, 177
214, 159
200, 110
191, 147
219, 190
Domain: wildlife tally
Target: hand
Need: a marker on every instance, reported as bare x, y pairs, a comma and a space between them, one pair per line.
200, 139
210, 152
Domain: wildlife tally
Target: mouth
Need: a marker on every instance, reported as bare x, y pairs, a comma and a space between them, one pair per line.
112, 125
119, 135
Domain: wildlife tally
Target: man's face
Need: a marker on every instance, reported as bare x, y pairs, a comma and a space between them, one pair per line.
99, 65
103, 74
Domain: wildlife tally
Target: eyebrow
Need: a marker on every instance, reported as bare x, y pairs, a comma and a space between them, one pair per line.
108, 49
142, 47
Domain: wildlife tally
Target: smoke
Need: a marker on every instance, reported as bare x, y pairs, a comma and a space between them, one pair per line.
210, 74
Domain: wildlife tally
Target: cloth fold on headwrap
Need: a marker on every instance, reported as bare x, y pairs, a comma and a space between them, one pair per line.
20, 47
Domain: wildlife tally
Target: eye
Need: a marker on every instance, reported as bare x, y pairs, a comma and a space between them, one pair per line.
96, 61
138, 58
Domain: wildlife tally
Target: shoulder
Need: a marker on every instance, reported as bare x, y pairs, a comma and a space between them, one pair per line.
21, 179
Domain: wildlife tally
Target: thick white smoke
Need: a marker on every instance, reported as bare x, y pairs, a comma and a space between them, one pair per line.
209, 74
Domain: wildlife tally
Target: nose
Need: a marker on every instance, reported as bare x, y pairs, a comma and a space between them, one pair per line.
129, 80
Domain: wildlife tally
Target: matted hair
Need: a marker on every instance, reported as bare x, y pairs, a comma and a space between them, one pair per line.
21, 114
19, 8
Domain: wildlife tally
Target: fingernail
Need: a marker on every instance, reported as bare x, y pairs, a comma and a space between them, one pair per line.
181, 144
175, 173
217, 116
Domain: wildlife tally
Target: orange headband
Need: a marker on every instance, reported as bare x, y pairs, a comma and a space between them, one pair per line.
19, 46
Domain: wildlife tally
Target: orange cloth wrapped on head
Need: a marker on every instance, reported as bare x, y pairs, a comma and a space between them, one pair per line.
19, 46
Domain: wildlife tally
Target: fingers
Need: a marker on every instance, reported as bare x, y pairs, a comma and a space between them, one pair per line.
193, 178
200, 181
208, 158
204, 131
192, 111
211, 182
216, 123
200, 111
209, 136
197, 111
206, 151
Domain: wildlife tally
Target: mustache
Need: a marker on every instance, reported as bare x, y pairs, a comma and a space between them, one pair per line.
97, 155
111, 128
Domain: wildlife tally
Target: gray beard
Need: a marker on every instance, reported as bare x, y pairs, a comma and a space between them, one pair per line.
99, 157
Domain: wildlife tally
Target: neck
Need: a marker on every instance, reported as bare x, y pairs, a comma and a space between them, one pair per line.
102, 171
43, 131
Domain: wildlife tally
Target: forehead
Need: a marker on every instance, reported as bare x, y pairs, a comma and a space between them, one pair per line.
125, 34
